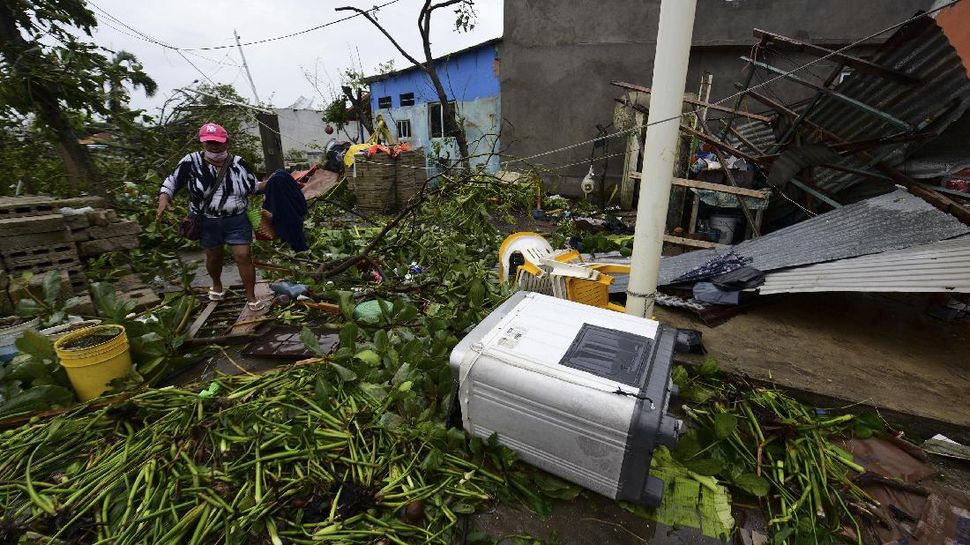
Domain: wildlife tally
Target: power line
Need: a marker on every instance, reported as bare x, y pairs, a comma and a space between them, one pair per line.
254, 42
739, 93
111, 23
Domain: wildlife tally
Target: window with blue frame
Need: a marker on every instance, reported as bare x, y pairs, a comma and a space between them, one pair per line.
384, 102
407, 99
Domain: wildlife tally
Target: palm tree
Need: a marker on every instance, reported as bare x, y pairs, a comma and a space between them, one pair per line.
133, 73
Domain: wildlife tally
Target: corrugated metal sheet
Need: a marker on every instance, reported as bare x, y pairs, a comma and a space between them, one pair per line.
888, 222
938, 267
946, 154
920, 49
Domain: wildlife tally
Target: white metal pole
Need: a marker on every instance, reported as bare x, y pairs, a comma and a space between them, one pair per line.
666, 103
246, 66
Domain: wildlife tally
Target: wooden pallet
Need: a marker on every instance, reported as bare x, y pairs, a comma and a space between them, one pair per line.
18, 207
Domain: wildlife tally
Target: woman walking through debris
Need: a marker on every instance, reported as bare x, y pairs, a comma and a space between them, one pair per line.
219, 185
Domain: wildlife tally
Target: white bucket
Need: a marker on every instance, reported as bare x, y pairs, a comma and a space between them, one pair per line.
9, 336
726, 225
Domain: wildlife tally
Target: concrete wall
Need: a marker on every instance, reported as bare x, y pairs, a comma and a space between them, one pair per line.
559, 57
471, 80
305, 131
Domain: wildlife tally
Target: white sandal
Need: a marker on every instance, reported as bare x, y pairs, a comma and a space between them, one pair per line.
256, 306
217, 295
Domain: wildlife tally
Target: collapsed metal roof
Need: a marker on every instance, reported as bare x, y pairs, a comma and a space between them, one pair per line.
942, 96
893, 221
938, 267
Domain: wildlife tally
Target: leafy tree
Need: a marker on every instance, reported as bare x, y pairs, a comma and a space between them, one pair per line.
48, 72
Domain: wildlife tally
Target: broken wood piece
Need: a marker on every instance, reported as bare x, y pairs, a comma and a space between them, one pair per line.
718, 143
243, 324
721, 188
696, 102
326, 307
681, 241
874, 478
201, 318
220, 340
859, 64
255, 321
887, 117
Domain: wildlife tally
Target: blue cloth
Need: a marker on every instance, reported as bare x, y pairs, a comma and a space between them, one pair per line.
232, 230
288, 205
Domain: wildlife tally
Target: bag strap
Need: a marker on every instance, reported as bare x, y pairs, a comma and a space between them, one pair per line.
220, 178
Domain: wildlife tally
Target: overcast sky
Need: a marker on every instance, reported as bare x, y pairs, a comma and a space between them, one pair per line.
277, 67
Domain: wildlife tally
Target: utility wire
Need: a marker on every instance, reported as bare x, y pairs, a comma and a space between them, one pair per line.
254, 42
739, 93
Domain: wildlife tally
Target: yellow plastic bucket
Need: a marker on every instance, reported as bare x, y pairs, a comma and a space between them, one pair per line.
91, 368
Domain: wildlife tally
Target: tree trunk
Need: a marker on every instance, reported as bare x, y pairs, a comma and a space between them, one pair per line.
451, 125
77, 163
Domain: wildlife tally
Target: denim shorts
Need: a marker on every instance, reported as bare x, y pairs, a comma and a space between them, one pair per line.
232, 230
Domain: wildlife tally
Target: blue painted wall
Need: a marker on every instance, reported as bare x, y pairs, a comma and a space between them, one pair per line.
466, 76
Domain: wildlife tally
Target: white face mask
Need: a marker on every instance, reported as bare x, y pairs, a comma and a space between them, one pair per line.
216, 157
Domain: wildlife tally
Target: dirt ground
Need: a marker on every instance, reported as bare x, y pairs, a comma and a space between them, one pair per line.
873, 349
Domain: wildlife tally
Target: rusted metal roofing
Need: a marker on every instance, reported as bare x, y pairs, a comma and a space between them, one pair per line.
920, 49
938, 267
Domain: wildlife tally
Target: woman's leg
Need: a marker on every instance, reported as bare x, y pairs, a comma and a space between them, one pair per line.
213, 265
247, 272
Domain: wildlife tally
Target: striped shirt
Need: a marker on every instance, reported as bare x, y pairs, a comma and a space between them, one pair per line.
196, 175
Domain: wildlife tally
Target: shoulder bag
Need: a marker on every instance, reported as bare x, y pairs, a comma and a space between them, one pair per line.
191, 225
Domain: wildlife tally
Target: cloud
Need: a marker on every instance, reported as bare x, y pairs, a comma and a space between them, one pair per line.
277, 67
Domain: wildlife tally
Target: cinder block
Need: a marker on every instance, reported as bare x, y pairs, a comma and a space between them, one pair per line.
20, 243
81, 202
96, 247
32, 225
112, 230
98, 217
80, 235
145, 298
77, 221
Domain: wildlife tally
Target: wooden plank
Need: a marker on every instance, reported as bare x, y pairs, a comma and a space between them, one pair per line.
201, 318
692, 228
724, 146
721, 188
631, 158
696, 102
246, 324
861, 65
681, 241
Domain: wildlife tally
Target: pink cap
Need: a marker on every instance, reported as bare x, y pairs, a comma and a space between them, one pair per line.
210, 132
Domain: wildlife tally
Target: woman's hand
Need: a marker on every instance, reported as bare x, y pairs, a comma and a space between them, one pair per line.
163, 202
